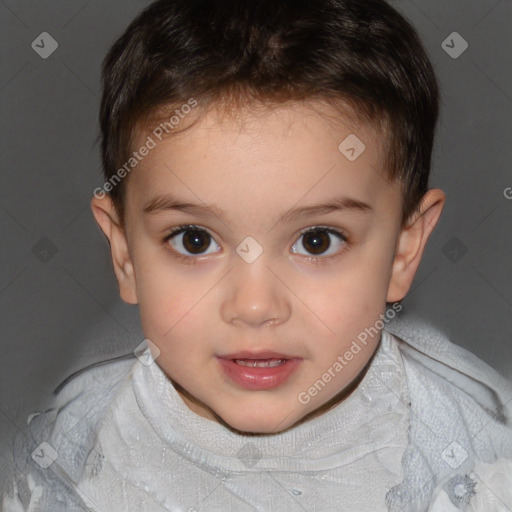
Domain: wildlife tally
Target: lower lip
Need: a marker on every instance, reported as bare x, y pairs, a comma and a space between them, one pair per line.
258, 378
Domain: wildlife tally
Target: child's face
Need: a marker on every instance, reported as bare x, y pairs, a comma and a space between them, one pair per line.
207, 296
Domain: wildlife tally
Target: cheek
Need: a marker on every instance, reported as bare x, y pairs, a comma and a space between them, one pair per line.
167, 293
349, 298
167, 302
174, 322
166, 314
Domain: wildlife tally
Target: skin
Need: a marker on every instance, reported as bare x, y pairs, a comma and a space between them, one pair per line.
282, 301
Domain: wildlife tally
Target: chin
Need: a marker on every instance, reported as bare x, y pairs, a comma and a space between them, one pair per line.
263, 423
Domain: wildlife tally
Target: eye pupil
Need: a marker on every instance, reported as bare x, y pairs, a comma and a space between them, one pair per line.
320, 242
194, 240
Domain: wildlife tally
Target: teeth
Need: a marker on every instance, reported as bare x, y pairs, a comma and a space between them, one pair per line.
260, 363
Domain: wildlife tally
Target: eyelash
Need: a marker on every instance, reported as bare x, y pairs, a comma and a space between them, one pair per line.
191, 260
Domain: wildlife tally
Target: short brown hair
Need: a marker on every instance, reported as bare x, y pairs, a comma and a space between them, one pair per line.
361, 53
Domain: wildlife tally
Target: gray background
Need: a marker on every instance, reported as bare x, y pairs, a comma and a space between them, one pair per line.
59, 303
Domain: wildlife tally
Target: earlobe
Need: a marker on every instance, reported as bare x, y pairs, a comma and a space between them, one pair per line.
411, 244
106, 216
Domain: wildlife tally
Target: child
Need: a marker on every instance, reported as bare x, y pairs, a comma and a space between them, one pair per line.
293, 141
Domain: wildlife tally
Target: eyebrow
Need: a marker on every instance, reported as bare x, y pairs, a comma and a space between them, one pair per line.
161, 204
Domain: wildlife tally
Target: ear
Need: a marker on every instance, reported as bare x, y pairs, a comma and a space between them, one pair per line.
411, 244
107, 218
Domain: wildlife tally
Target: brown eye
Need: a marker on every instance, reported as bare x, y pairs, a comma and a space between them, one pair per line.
196, 241
317, 241
189, 240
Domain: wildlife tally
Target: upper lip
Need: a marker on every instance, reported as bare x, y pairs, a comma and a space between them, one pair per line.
267, 354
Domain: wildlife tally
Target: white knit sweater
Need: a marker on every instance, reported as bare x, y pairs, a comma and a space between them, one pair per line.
427, 429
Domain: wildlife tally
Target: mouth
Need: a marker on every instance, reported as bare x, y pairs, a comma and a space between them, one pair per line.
260, 363
258, 356
258, 371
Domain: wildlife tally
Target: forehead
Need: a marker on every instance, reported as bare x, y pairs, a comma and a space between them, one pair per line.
285, 153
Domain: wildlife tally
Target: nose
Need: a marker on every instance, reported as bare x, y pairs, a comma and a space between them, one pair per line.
254, 296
